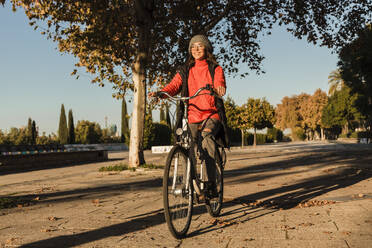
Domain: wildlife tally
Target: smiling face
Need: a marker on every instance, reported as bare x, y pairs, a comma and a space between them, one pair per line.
198, 50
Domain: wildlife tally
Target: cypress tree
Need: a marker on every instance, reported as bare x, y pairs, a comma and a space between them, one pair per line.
148, 132
124, 122
29, 132
33, 133
71, 128
167, 116
62, 129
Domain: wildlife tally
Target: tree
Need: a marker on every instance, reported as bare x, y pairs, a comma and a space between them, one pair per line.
286, 113
167, 116
335, 82
233, 121
289, 114
232, 111
4, 138
274, 134
355, 64
88, 132
34, 133
29, 131
62, 128
156, 134
302, 100
17, 136
341, 110
119, 40
311, 112
71, 128
257, 114
124, 122
47, 140
149, 132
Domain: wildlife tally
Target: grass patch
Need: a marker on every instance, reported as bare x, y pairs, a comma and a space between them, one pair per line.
7, 202
117, 167
151, 166
11, 202
122, 167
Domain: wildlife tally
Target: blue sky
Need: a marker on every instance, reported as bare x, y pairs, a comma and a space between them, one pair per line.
35, 78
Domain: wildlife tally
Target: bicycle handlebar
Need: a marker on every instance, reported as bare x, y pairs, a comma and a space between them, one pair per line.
184, 98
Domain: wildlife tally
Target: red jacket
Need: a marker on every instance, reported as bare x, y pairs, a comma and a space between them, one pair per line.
199, 76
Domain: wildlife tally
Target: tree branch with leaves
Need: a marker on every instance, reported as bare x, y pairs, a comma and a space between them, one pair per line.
134, 44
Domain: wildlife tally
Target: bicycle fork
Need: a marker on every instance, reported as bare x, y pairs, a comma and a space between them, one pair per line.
197, 182
186, 182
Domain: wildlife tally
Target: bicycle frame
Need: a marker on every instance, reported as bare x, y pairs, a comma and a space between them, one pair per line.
191, 165
183, 181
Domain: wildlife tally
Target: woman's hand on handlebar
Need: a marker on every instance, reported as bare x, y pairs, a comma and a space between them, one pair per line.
155, 96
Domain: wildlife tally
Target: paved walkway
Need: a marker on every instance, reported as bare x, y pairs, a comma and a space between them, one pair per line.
284, 195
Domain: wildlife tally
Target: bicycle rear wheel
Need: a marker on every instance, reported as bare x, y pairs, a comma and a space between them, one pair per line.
177, 192
214, 205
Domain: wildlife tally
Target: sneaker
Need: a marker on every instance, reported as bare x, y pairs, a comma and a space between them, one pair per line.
213, 193
212, 190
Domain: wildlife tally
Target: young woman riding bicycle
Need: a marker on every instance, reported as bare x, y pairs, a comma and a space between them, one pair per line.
201, 136
205, 113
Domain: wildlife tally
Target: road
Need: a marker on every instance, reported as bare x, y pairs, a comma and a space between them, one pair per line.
314, 194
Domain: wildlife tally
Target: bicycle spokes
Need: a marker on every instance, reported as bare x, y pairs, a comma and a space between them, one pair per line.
177, 192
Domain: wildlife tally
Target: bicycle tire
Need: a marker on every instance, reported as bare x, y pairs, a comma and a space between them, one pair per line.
214, 205
177, 198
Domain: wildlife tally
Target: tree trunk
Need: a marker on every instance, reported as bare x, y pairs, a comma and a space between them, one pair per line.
241, 130
144, 24
322, 137
138, 115
345, 128
255, 138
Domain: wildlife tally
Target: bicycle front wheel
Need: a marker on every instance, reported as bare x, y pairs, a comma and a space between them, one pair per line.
214, 205
177, 192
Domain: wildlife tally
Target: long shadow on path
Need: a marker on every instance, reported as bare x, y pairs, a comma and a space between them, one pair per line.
100, 233
285, 197
246, 174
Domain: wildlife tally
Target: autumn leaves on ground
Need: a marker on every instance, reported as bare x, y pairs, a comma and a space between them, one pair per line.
289, 194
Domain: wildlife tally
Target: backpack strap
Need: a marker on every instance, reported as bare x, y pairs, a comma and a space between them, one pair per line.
212, 68
222, 136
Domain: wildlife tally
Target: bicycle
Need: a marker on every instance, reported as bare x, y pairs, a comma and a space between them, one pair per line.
183, 182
